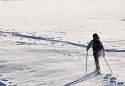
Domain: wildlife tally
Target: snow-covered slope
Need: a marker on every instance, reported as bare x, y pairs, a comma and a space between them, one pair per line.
43, 42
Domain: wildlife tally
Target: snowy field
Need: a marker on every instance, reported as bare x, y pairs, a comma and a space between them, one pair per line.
43, 42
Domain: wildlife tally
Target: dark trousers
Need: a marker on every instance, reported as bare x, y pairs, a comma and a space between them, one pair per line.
96, 57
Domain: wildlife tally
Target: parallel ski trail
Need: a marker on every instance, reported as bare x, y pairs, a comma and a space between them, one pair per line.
84, 78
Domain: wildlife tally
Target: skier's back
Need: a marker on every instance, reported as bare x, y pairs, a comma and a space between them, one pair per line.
98, 50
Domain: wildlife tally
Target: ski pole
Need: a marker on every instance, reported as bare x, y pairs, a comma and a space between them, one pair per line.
107, 64
86, 63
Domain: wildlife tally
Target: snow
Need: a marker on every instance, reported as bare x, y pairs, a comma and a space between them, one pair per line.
43, 42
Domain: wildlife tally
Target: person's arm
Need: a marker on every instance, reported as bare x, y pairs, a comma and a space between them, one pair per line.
89, 45
103, 52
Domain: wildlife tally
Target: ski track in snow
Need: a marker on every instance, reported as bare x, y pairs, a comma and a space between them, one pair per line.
53, 41
55, 56
107, 79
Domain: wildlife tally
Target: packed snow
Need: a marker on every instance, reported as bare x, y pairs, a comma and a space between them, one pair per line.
43, 42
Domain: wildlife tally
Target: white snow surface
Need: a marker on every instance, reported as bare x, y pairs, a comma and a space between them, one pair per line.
43, 42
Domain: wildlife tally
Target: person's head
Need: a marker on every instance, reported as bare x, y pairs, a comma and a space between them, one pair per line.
95, 36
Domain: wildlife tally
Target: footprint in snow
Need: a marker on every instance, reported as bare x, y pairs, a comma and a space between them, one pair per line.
5, 82
112, 80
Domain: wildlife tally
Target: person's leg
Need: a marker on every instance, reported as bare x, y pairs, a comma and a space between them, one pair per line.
97, 62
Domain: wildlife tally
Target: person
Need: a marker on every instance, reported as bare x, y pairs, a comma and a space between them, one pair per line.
98, 50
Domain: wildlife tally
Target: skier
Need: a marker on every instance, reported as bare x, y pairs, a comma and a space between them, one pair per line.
98, 50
